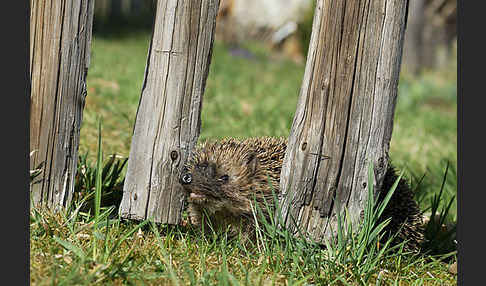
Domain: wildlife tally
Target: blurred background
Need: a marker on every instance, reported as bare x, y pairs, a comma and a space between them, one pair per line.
255, 76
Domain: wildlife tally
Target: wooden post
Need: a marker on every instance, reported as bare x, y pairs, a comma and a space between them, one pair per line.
168, 116
60, 39
344, 116
413, 43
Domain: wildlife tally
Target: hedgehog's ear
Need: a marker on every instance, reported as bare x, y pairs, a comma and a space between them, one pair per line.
252, 162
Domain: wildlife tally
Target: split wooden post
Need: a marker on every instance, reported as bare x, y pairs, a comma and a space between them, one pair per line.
344, 117
60, 39
168, 117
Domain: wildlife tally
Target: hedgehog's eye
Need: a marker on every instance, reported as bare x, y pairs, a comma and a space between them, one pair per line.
224, 178
203, 165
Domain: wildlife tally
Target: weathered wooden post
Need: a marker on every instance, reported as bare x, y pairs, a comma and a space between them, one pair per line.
168, 118
60, 39
344, 116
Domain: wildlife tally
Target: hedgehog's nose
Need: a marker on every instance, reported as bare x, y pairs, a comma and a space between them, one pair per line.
186, 178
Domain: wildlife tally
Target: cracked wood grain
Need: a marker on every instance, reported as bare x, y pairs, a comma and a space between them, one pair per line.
60, 41
168, 120
345, 112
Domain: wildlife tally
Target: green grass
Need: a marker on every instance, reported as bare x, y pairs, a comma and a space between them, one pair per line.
75, 247
425, 131
242, 98
89, 244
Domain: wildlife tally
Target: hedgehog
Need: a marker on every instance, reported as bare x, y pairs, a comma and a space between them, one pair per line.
226, 179
404, 212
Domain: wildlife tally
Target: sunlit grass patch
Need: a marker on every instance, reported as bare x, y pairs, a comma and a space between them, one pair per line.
77, 247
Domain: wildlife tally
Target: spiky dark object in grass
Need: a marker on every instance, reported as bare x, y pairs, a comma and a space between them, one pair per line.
223, 179
406, 219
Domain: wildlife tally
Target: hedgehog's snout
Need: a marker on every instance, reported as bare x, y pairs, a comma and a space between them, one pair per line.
186, 178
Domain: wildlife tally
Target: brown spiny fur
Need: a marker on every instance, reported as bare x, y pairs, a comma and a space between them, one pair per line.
253, 169
406, 218
228, 175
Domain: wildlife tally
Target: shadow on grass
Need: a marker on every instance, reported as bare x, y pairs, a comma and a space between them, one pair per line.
123, 26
